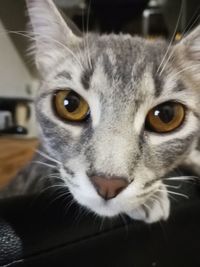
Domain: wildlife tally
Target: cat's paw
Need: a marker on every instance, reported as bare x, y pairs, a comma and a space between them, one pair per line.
154, 210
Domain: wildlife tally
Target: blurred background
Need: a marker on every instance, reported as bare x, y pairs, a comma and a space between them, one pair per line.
18, 77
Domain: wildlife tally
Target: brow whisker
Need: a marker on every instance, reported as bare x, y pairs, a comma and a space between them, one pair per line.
170, 43
85, 39
33, 37
87, 30
188, 29
183, 35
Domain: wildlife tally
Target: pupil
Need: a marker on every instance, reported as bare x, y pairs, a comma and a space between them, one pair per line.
165, 113
71, 102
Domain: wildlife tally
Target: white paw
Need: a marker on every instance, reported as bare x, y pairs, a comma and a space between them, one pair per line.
154, 209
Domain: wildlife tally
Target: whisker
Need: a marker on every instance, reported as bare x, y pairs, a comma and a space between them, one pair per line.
101, 224
185, 32
79, 214
171, 41
47, 180
61, 195
69, 204
174, 193
187, 68
173, 186
47, 156
44, 190
54, 186
121, 216
170, 196
45, 164
181, 178
65, 48
54, 176
87, 40
33, 37
157, 198
173, 198
84, 33
83, 21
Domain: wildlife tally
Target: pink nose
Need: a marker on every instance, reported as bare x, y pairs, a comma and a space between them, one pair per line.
108, 187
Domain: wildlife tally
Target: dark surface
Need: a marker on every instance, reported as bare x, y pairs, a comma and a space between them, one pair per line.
42, 231
113, 15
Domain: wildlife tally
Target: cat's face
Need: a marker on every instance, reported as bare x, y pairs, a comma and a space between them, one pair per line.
114, 155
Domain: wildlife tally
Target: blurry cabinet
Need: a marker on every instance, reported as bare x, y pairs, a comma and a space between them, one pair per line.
14, 155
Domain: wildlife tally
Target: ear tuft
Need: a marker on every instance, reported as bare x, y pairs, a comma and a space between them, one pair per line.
192, 44
50, 32
187, 55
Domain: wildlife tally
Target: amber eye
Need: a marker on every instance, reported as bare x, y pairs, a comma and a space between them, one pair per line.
165, 117
70, 106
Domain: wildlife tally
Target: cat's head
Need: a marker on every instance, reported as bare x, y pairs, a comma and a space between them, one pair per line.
116, 111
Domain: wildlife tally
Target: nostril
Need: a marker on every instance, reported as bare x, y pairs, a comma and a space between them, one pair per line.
109, 187
118, 190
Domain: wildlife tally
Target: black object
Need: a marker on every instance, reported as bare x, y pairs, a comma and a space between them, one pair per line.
10, 104
42, 231
14, 130
114, 14
188, 10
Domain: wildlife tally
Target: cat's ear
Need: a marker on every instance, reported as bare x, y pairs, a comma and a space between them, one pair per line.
50, 32
187, 53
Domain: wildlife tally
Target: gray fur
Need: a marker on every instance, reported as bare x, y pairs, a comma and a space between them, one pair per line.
64, 74
117, 75
86, 77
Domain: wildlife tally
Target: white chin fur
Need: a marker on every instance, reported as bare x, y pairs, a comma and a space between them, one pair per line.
151, 211
97, 205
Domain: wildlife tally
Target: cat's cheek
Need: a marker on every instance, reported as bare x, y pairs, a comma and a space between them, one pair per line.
159, 211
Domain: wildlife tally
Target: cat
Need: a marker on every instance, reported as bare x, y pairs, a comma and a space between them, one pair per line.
116, 114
